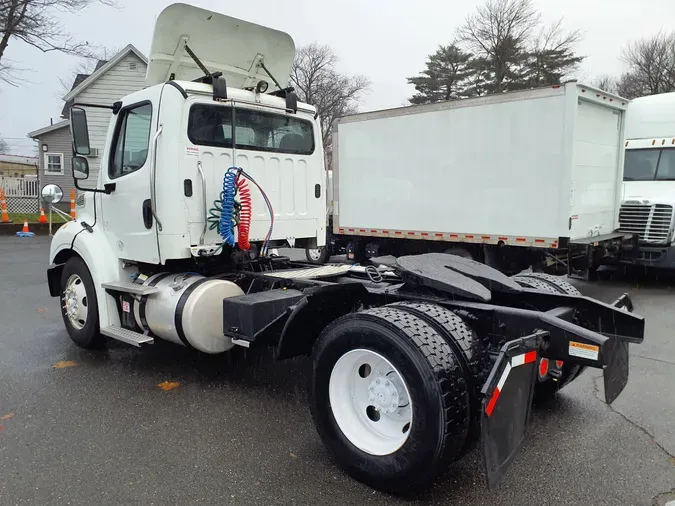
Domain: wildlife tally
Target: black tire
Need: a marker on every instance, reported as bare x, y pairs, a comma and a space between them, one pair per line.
323, 257
89, 335
545, 390
557, 283
435, 382
470, 350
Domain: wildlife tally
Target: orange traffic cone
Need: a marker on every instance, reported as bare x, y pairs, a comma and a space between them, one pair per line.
43, 218
73, 213
25, 226
3, 208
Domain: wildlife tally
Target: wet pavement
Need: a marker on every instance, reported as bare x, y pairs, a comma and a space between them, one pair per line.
83, 428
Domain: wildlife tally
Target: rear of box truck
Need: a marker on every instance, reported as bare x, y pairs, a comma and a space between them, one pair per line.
512, 168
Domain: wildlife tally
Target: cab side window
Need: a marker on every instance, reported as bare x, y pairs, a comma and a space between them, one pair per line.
132, 140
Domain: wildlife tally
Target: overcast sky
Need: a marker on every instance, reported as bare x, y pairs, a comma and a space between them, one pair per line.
384, 40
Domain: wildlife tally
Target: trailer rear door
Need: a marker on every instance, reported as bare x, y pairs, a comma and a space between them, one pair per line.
597, 168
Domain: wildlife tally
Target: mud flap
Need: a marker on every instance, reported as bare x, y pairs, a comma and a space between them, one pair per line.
615, 373
507, 402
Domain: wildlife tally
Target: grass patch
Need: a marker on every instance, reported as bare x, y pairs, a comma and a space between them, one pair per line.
35, 217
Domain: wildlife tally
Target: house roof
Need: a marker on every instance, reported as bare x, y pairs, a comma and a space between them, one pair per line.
79, 79
47, 129
20, 159
102, 69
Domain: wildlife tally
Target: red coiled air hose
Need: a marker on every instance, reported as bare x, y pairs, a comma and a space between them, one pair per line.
245, 212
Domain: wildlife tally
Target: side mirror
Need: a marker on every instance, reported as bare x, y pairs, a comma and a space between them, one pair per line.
51, 193
79, 131
80, 168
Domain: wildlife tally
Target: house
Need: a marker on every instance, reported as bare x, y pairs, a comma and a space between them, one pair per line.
18, 166
109, 82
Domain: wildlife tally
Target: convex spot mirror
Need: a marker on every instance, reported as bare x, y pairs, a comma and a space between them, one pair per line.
52, 193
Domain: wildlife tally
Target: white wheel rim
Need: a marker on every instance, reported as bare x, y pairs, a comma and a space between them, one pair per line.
314, 254
374, 412
75, 302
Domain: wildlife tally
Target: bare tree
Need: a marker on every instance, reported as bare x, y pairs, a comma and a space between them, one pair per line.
651, 66
498, 32
4, 147
551, 56
34, 22
318, 82
605, 82
86, 66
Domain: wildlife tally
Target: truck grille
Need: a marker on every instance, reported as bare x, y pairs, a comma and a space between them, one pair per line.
652, 222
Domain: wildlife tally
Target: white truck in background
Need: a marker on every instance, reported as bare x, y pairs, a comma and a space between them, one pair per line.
649, 179
527, 178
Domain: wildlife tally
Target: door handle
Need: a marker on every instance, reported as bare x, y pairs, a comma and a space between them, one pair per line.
147, 213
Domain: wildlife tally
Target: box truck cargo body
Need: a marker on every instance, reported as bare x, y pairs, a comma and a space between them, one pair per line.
539, 168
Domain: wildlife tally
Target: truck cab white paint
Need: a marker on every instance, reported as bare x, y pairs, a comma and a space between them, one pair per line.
649, 177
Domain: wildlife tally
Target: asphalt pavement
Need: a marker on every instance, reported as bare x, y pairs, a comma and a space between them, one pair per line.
83, 428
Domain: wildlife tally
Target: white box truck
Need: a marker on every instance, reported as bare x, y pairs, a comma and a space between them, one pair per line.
528, 178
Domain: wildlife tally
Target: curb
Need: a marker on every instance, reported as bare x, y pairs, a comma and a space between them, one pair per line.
37, 228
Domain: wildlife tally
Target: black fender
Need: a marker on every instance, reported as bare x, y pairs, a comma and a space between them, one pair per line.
320, 306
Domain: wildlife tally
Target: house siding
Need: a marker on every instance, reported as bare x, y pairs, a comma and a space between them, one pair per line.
117, 82
58, 142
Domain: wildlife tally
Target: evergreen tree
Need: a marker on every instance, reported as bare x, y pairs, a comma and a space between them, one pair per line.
446, 77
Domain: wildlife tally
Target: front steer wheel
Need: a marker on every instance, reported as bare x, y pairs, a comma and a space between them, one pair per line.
389, 398
79, 306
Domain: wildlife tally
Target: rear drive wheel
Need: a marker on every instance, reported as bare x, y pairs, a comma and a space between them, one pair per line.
546, 387
317, 256
79, 305
388, 398
469, 349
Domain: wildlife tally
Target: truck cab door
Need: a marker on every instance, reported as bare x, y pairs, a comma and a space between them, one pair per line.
126, 174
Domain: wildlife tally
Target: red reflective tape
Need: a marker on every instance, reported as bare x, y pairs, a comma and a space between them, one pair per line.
351, 229
342, 230
362, 230
398, 232
438, 235
453, 235
373, 231
530, 356
385, 231
493, 400
554, 245
521, 239
468, 236
412, 233
425, 234
539, 240
503, 238
485, 237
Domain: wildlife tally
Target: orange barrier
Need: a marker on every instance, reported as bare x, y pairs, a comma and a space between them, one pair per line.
3, 208
43, 218
73, 213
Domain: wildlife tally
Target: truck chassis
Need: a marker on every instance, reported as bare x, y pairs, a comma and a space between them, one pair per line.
412, 364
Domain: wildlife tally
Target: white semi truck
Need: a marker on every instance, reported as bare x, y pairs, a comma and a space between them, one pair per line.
518, 180
649, 179
215, 162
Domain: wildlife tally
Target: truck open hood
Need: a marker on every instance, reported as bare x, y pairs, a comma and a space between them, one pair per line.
653, 192
222, 43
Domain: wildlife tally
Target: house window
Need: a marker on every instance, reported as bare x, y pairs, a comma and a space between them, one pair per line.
54, 163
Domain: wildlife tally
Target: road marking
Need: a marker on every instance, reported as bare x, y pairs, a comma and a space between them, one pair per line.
63, 364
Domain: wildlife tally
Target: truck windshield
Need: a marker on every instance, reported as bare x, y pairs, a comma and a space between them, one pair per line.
211, 125
649, 165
